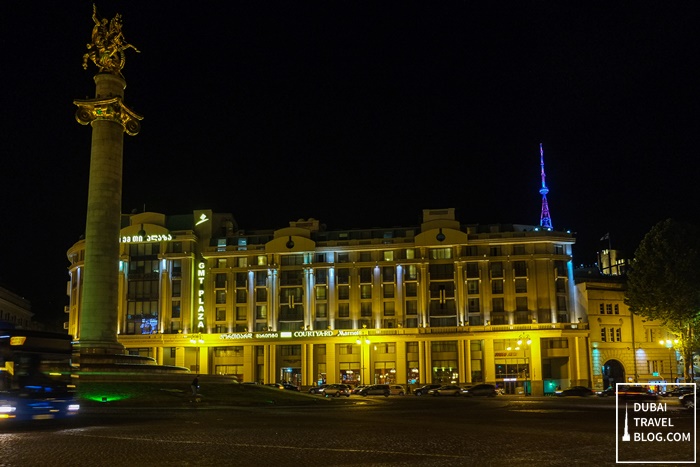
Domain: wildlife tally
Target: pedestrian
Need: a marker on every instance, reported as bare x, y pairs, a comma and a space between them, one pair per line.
195, 385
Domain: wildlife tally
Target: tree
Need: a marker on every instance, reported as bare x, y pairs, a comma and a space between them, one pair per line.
662, 283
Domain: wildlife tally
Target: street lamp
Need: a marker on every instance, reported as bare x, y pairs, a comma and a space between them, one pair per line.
670, 345
361, 341
524, 338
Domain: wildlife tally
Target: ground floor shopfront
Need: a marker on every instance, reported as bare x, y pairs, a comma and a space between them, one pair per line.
519, 359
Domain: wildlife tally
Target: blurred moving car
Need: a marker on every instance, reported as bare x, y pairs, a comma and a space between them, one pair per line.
637, 393
688, 401
423, 390
488, 390
375, 390
446, 390
581, 391
679, 391
336, 390
291, 387
317, 389
397, 390
274, 385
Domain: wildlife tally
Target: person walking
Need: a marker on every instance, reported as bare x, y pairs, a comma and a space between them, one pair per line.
195, 385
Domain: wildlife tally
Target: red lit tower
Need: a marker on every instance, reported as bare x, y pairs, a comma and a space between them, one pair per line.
545, 220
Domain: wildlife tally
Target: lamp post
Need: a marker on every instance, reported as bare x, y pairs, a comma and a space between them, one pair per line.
524, 338
360, 342
670, 345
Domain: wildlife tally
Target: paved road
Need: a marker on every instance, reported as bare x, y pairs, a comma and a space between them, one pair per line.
395, 431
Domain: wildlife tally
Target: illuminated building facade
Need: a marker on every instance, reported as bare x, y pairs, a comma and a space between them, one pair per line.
436, 302
625, 347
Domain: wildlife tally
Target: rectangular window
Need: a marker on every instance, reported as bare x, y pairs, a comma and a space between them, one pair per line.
343, 310
520, 268
389, 309
221, 314
366, 309
441, 271
497, 286
617, 309
177, 288
411, 307
241, 296
561, 303
220, 297
366, 291
440, 253
220, 281
175, 311
343, 292
261, 312
473, 287
389, 255
365, 256
496, 269
321, 293
366, 275
411, 289
388, 274
520, 285
241, 313
343, 276
473, 305
388, 290
521, 303
321, 276
473, 270
321, 310
411, 272
260, 294
497, 304
608, 308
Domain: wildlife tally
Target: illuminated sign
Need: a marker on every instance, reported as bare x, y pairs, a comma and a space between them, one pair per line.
145, 238
17, 340
276, 335
200, 295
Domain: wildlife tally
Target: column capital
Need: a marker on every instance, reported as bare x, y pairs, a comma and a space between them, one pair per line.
110, 109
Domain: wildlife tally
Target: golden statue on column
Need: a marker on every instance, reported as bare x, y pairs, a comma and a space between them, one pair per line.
108, 45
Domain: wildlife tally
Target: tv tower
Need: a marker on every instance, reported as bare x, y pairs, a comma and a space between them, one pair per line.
545, 220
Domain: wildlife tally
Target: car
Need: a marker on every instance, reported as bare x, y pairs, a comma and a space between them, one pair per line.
358, 388
336, 390
488, 390
291, 387
679, 391
446, 390
376, 390
397, 390
423, 390
274, 385
636, 393
581, 391
610, 391
688, 401
317, 389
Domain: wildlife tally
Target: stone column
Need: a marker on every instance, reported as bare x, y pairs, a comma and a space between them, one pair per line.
109, 119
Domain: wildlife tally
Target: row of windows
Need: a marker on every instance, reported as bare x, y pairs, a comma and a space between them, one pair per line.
609, 308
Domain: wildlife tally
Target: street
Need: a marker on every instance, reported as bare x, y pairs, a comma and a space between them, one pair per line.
372, 431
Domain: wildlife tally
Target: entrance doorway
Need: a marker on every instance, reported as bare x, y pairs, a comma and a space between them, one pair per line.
613, 372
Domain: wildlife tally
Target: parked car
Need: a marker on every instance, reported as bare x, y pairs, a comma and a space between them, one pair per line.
610, 391
336, 390
275, 385
480, 390
423, 390
636, 393
688, 401
446, 390
317, 389
358, 388
291, 387
376, 390
581, 391
397, 390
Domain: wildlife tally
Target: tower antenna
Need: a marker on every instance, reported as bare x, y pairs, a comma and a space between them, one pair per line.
545, 219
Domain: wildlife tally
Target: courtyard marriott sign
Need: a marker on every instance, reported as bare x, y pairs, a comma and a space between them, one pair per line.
276, 334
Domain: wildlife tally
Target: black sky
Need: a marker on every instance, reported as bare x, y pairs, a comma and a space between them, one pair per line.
359, 114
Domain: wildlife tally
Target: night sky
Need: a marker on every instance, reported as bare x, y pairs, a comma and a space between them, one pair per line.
360, 114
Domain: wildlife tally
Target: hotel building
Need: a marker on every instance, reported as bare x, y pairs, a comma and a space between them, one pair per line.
437, 302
